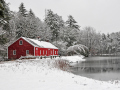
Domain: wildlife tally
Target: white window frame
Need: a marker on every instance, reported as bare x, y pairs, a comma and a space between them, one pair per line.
14, 52
55, 52
40, 52
27, 52
51, 52
43, 52
20, 42
46, 52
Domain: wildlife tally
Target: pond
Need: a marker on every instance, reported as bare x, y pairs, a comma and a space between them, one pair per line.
99, 68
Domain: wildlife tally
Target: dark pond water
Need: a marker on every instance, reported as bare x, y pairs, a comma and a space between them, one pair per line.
99, 68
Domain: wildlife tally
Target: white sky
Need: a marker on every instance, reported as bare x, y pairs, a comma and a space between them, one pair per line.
103, 15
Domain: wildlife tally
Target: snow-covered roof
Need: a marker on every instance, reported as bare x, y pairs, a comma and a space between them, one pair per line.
37, 43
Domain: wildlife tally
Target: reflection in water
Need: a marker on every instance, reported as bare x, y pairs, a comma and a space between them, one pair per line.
100, 68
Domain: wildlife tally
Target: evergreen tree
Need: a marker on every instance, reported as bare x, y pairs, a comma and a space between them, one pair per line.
31, 14
21, 21
4, 12
108, 35
103, 37
22, 10
70, 36
4, 21
27, 26
72, 31
71, 23
53, 22
2, 7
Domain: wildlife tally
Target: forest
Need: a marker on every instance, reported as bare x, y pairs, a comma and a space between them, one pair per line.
54, 29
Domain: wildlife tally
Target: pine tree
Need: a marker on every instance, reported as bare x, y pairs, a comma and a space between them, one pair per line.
108, 35
71, 23
21, 21
103, 37
4, 21
53, 21
31, 14
2, 8
22, 10
27, 26
71, 31
4, 12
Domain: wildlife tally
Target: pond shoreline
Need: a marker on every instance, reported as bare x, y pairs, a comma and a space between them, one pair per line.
109, 55
98, 67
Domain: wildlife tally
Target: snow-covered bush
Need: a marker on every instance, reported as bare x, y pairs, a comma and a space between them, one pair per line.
61, 45
78, 49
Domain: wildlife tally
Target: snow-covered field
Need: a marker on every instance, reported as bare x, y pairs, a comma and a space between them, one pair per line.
44, 75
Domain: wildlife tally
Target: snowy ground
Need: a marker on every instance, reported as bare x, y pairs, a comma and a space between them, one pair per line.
42, 75
73, 58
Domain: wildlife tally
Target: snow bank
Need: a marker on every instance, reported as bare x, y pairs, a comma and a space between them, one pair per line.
40, 75
73, 58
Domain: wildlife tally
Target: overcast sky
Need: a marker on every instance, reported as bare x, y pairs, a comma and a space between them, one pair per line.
103, 15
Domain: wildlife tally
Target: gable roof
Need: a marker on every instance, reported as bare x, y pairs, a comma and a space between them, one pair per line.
37, 43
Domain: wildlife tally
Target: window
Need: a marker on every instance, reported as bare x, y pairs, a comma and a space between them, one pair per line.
40, 52
51, 52
27, 52
46, 52
55, 52
20, 42
14, 52
43, 52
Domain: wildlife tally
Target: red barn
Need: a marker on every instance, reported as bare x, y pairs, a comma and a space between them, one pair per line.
26, 46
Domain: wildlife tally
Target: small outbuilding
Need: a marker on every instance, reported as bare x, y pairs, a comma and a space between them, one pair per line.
26, 46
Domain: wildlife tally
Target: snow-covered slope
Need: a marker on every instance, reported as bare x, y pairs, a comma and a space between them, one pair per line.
42, 75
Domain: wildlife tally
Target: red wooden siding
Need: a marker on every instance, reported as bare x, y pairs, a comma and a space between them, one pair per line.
20, 49
45, 51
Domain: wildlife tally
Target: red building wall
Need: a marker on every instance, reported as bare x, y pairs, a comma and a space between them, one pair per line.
45, 51
20, 49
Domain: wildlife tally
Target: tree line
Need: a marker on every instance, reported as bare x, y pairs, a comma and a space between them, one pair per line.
53, 28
